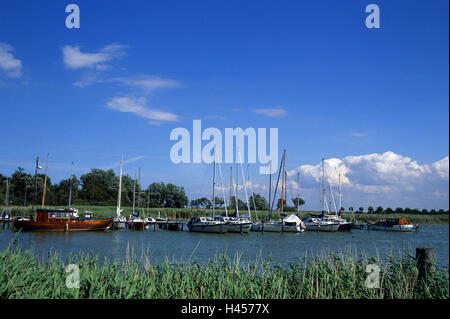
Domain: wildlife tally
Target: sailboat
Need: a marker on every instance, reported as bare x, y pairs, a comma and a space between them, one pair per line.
6, 213
239, 224
59, 219
321, 222
119, 221
135, 222
209, 224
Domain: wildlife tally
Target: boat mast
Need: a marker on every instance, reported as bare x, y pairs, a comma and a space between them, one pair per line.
134, 193
139, 191
119, 195
231, 185
214, 184
35, 183
251, 189
237, 181
270, 190
45, 182
245, 185
282, 183
70, 187
298, 191
340, 194
323, 185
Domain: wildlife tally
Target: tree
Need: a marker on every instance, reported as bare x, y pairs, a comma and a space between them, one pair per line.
388, 211
299, 200
399, 210
99, 187
379, 210
424, 211
370, 209
361, 209
259, 201
351, 208
201, 203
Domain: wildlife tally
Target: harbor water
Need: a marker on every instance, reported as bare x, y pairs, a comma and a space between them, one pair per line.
184, 246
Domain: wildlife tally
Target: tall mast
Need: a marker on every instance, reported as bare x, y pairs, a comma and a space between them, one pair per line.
340, 193
237, 182
70, 187
270, 190
298, 191
7, 197
323, 185
35, 182
45, 183
214, 184
139, 190
119, 195
231, 184
134, 192
282, 183
251, 189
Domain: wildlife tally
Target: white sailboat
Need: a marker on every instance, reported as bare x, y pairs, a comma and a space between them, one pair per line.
119, 221
6, 213
321, 222
209, 224
239, 224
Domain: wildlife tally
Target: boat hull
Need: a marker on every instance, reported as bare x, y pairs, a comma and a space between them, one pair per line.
73, 225
345, 227
239, 227
293, 229
272, 227
118, 225
397, 228
327, 228
136, 225
217, 228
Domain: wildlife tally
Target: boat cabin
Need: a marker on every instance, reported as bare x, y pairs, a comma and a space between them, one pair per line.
49, 215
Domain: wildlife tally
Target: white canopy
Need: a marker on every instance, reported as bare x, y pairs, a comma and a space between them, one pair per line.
292, 219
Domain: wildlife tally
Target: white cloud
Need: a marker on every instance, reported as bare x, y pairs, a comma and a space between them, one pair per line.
380, 178
138, 106
358, 134
11, 66
441, 167
128, 161
74, 59
147, 83
272, 112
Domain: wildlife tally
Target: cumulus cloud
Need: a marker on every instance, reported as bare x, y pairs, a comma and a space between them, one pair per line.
74, 58
381, 178
271, 112
11, 66
138, 106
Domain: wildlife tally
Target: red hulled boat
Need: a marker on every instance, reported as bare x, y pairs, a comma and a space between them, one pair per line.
60, 220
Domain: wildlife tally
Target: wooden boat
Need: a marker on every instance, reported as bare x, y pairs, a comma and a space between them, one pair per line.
393, 224
60, 220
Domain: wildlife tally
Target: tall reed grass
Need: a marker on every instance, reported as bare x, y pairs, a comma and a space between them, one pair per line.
330, 276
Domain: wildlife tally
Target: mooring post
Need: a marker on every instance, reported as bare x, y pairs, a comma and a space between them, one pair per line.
262, 227
425, 262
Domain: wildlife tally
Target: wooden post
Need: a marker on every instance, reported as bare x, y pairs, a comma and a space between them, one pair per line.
425, 261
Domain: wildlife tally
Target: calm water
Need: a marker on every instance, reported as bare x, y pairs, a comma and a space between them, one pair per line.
280, 247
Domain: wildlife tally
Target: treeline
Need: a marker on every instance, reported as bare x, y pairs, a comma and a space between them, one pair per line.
398, 210
255, 202
98, 187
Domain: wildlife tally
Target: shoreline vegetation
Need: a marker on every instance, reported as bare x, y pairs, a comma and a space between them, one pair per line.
186, 213
336, 276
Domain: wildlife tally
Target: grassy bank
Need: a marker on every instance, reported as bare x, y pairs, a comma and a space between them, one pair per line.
186, 213
333, 276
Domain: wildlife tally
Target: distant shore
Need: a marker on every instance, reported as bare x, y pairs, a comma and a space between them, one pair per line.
186, 213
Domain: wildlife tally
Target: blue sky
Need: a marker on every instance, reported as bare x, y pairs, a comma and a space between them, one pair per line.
344, 91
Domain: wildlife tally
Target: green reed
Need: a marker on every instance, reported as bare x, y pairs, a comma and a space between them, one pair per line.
341, 276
